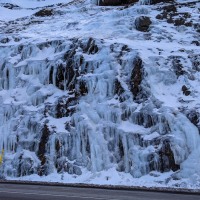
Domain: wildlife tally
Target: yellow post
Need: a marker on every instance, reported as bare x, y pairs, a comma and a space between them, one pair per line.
1, 156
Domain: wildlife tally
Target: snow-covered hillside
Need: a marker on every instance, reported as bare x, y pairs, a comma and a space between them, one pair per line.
100, 94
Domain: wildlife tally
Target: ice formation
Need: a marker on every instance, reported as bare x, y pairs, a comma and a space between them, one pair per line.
72, 103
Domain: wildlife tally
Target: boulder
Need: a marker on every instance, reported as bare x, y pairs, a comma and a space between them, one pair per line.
142, 23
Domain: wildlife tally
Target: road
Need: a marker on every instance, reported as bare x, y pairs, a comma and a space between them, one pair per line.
38, 192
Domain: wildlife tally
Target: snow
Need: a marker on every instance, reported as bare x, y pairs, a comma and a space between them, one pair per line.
34, 3
151, 136
26, 8
8, 15
128, 127
112, 177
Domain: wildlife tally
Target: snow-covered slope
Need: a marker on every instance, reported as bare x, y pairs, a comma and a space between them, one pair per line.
100, 94
31, 4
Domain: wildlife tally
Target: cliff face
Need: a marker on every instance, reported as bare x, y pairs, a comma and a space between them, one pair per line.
85, 88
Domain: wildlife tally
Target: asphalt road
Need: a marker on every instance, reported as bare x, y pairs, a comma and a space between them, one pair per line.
33, 192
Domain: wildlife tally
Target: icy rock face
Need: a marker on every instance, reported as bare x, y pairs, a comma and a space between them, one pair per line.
83, 108
126, 100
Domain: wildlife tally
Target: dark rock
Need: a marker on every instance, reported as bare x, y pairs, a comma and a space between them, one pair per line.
167, 161
179, 22
121, 148
88, 150
195, 60
172, 16
44, 13
66, 106
142, 23
197, 27
5, 40
110, 2
119, 90
159, 16
60, 73
17, 39
57, 146
91, 47
185, 91
83, 90
160, 1
42, 148
66, 75
69, 54
146, 119
170, 21
193, 116
19, 169
177, 66
170, 8
20, 48
10, 6
136, 77
197, 43
51, 75
116, 2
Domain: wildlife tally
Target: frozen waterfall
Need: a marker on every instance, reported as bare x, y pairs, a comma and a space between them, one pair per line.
69, 105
